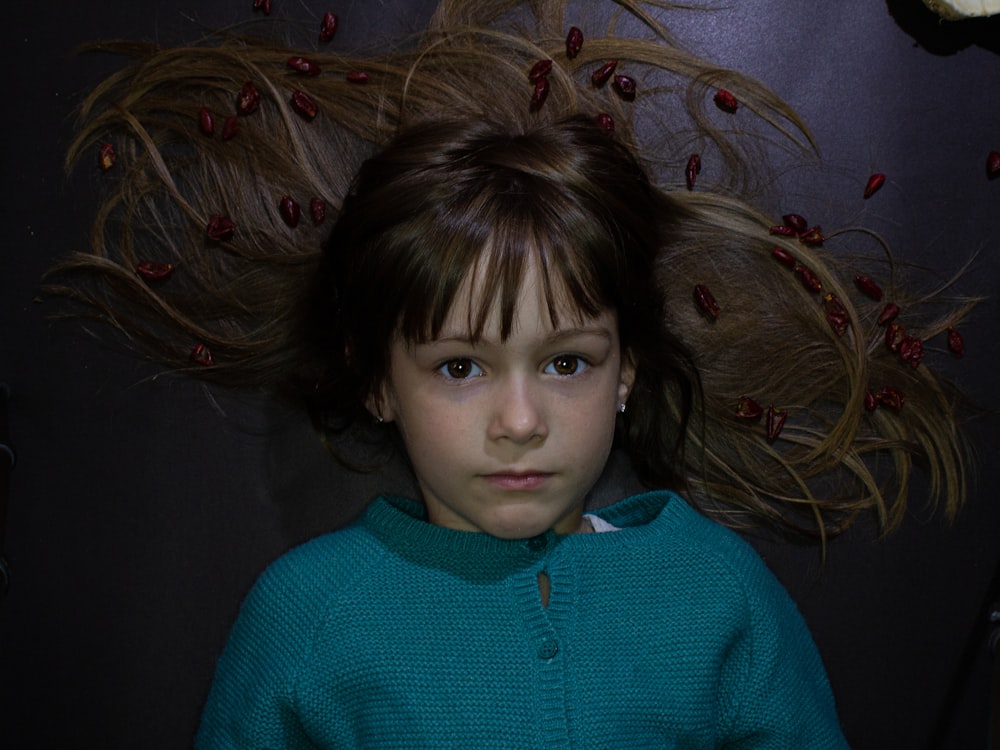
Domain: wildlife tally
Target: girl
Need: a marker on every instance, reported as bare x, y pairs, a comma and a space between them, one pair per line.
494, 297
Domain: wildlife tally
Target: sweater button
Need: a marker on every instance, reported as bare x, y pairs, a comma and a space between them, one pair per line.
537, 543
548, 649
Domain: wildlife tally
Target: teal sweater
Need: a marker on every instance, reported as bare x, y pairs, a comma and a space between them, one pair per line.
395, 633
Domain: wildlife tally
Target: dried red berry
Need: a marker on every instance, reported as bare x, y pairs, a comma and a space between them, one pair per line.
993, 164
304, 104
812, 236
890, 397
624, 87
206, 123
317, 209
600, 76
747, 408
358, 76
796, 222
809, 279
290, 211
152, 270
230, 127
911, 349
836, 314
889, 313
868, 286
775, 422
725, 101
894, 335
692, 170
539, 70
539, 94
782, 230
704, 299
876, 181
605, 122
328, 27
871, 403
574, 42
783, 256
264, 5
955, 342
219, 228
304, 66
248, 99
107, 156
202, 355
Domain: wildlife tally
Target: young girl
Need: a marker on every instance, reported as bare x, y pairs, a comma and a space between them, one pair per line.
505, 294
493, 296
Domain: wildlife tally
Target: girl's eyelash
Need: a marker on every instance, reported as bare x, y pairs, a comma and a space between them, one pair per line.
580, 364
459, 368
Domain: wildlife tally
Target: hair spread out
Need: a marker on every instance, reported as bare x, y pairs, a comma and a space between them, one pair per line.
772, 398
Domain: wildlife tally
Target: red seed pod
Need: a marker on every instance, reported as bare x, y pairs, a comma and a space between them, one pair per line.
725, 101
783, 256
219, 228
107, 156
206, 123
152, 270
706, 301
202, 355
264, 5
836, 314
605, 122
317, 209
248, 99
304, 66
328, 27
809, 279
230, 127
955, 342
812, 236
993, 164
539, 70
539, 94
890, 397
600, 76
358, 76
775, 422
290, 210
889, 313
894, 335
871, 403
782, 230
911, 349
747, 408
624, 87
304, 104
796, 222
574, 42
692, 170
868, 286
876, 181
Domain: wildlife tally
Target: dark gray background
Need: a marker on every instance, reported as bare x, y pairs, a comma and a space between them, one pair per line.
143, 507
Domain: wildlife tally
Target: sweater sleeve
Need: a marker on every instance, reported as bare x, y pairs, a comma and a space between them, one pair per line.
252, 702
774, 684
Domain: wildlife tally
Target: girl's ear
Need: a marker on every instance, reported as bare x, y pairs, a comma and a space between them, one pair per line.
379, 404
627, 378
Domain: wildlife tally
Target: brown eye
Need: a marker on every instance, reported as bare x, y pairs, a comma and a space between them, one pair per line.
564, 364
459, 369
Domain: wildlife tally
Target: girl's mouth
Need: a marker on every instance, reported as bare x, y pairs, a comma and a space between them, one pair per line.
518, 480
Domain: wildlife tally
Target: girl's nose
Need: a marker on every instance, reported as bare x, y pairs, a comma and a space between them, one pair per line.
518, 413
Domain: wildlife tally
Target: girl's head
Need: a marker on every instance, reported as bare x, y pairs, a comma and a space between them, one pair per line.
445, 229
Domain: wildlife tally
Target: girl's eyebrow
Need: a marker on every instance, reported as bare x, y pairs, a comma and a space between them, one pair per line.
556, 336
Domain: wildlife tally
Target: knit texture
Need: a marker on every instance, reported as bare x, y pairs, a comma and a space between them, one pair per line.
394, 633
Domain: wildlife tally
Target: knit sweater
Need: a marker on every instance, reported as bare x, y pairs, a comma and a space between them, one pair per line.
395, 633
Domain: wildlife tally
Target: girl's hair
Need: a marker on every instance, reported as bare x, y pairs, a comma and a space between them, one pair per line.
447, 200
528, 177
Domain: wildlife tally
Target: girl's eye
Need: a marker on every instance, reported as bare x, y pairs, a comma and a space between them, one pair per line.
460, 369
566, 364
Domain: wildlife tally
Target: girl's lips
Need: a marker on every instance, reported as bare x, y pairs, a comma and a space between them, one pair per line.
526, 480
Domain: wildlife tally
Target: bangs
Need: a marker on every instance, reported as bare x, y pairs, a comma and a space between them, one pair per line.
488, 240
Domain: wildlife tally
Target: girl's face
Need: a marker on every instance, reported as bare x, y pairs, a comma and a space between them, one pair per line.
509, 437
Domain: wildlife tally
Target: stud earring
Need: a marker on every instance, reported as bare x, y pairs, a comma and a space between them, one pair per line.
621, 407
